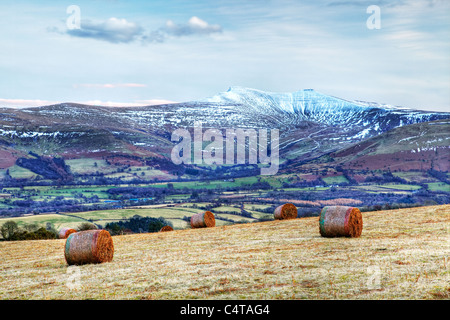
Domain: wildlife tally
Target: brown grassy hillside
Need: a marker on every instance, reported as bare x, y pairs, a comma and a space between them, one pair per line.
402, 254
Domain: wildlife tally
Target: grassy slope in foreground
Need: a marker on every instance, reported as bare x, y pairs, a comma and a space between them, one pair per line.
401, 254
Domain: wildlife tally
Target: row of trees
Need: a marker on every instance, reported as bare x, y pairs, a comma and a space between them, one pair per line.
137, 224
441, 176
11, 231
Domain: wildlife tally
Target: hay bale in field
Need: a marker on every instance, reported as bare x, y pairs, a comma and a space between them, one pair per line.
90, 246
285, 211
65, 232
340, 221
203, 220
166, 228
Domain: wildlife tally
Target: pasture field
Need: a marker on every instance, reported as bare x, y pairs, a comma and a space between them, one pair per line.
89, 166
92, 166
334, 180
439, 186
58, 221
401, 254
253, 206
387, 188
21, 173
102, 217
234, 218
406, 187
51, 192
227, 209
412, 176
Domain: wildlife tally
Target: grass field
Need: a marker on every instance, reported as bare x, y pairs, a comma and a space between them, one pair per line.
402, 254
49, 192
389, 187
227, 209
412, 176
334, 180
58, 221
439, 186
89, 166
214, 184
406, 187
253, 206
21, 173
102, 217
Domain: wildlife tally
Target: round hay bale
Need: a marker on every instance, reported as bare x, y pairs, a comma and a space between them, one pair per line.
340, 221
90, 246
166, 228
65, 232
285, 211
203, 220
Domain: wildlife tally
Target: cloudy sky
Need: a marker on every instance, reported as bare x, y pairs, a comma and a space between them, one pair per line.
114, 52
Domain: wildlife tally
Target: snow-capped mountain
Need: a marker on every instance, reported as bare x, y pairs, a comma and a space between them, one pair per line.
309, 105
311, 124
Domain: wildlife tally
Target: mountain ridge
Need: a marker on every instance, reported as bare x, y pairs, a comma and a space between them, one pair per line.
236, 89
311, 124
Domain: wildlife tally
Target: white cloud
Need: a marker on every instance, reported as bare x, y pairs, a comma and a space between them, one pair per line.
195, 25
116, 30
23, 103
112, 30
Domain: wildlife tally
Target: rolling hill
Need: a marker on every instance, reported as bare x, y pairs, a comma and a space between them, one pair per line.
417, 147
401, 254
311, 125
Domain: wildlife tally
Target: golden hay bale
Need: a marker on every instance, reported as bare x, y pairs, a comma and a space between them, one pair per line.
166, 228
90, 246
340, 221
65, 232
285, 211
203, 220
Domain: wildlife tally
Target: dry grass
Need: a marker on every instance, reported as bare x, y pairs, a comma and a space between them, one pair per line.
401, 254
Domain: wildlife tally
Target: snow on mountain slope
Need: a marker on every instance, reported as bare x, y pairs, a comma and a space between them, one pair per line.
310, 123
420, 146
309, 105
